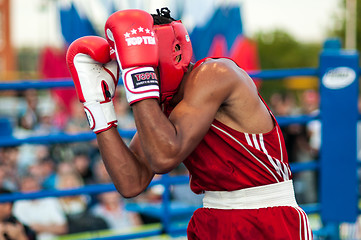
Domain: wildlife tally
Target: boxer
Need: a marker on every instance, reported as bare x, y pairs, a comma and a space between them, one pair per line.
208, 115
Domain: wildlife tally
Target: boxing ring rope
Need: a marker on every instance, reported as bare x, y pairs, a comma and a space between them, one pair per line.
165, 211
90, 189
57, 138
67, 82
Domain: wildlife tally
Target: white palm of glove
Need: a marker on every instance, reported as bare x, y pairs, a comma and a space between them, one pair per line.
98, 83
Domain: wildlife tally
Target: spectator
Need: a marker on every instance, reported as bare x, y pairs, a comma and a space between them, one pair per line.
100, 174
46, 124
296, 140
82, 163
72, 205
308, 179
9, 167
44, 171
29, 115
124, 114
48, 173
111, 208
77, 121
310, 106
60, 116
30, 123
76, 207
65, 167
4, 182
45, 215
10, 227
43, 167
42, 152
181, 192
284, 104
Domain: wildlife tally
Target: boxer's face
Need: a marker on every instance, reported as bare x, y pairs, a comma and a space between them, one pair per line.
179, 57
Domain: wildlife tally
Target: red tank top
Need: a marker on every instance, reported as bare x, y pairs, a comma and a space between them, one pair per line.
227, 160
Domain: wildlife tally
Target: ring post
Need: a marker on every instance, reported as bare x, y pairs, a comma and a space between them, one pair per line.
166, 217
339, 74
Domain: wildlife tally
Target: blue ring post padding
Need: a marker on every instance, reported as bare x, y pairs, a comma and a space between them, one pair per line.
339, 87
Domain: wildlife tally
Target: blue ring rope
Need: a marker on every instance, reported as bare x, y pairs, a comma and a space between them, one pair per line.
283, 73
67, 82
89, 189
87, 136
37, 84
58, 138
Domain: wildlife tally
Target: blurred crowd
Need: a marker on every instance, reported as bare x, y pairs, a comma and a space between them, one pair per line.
302, 140
36, 167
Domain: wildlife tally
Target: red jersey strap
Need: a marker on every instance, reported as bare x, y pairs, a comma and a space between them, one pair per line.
198, 63
269, 110
205, 59
264, 102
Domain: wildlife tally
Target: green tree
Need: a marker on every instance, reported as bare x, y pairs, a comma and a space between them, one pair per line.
338, 28
278, 49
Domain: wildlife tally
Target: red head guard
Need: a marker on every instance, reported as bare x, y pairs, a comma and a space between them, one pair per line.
171, 70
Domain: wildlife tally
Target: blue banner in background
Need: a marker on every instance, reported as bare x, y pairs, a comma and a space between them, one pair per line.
74, 26
226, 22
221, 36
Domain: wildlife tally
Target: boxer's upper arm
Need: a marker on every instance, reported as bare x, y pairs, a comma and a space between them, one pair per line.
136, 147
207, 89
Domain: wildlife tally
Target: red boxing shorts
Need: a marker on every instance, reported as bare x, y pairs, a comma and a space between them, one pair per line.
266, 212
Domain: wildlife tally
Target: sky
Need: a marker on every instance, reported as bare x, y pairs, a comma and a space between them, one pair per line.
305, 19
34, 23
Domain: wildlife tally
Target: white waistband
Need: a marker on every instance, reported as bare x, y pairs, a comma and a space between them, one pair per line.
272, 195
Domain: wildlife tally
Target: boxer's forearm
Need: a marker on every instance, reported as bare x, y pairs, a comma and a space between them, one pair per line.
129, 171
158, 136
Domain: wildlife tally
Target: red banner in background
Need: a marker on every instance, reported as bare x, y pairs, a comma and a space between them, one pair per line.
53, 66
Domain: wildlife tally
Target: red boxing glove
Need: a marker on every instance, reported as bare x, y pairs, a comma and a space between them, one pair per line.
95, 76
130, 34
